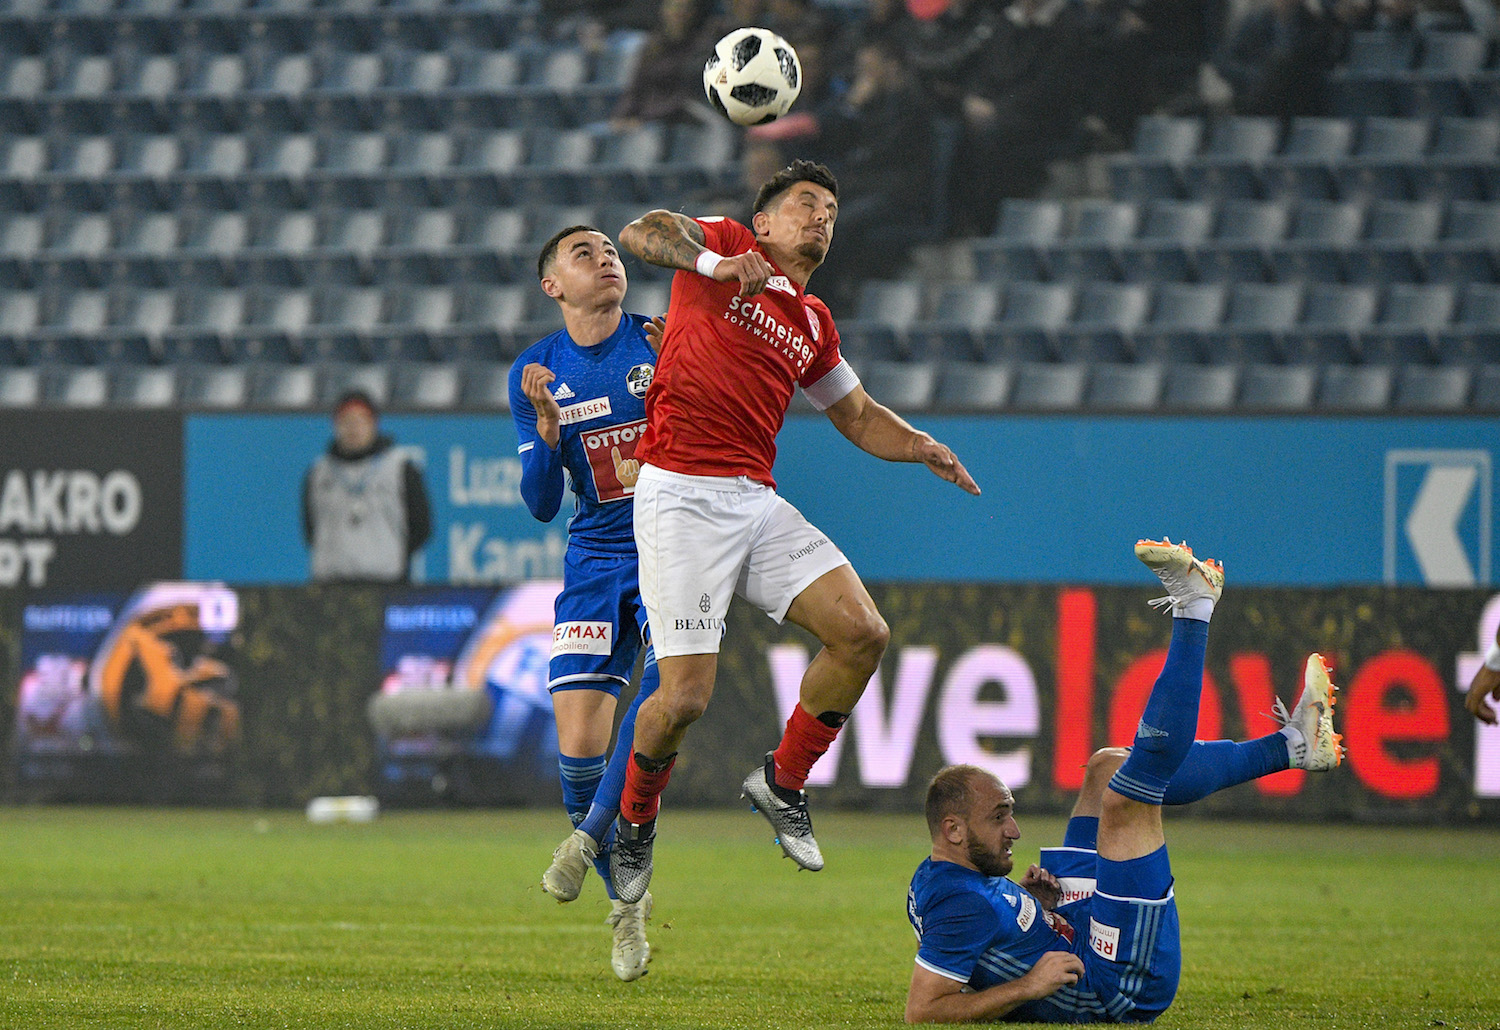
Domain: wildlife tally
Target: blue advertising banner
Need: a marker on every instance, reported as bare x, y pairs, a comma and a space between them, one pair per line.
243, 498
1282, 501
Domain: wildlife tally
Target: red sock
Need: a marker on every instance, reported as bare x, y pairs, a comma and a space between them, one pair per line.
804, 742
641, 798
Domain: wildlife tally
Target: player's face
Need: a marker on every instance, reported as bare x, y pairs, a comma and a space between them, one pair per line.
586, 272
803, 221
992, 829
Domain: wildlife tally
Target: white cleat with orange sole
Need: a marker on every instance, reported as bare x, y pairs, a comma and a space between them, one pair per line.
1187, 579
1320, 749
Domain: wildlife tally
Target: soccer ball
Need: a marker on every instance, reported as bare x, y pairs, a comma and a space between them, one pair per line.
752, 76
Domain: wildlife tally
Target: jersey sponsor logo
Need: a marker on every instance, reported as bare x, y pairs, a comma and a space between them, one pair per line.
1075, 888
582, 638
1105, 940
562, 393
595, 407
782, 284
762, 323
638, 379
612, 460
1027, 915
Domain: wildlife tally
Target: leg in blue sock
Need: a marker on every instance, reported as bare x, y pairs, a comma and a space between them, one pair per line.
599, 823
1167, 727
1212, 765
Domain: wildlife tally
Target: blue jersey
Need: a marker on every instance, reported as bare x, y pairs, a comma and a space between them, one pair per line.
601, 392
986, 930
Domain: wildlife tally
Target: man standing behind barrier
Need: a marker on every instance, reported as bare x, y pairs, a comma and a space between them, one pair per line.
1485, 685
364, 505
741, 335
577, 398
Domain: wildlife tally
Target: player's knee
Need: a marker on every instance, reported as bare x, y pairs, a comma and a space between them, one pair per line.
866, 640
1103, 763
686, 704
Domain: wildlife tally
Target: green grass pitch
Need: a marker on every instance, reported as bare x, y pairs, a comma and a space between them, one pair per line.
210, 919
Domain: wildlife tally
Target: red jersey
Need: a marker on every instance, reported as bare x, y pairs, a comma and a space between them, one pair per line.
728, 367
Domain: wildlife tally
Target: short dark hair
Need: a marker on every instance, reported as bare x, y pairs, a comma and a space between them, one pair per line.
797, 171
357, 398
549, 249
951, 792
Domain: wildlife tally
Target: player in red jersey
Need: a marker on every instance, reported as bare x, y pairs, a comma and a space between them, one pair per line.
741, 335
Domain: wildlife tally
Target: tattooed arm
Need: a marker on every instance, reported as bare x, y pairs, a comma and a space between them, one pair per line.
676, 241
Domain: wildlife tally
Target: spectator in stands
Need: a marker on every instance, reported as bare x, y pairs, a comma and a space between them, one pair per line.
668, 82
364, 505
1018, 110
948, 47
877, 138
884, 21
588, 22
1114, 44
1277, 58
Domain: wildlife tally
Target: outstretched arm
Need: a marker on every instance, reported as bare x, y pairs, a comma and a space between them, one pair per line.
933, 998
1486, 685
877, 430
671, 240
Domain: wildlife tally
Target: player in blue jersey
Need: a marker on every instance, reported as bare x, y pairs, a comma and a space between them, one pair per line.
1091, 934
578, 400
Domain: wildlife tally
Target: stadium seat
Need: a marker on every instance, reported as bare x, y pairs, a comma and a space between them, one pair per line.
1460, 160
1032, 314
1017, 249
901, 385
1043, 386
1469, 249
1378, 168
424, 386
1444, 389
1152, 169
968, 386
1278, 387
1230, 162
1321, 233
20, 387
1395, 237
1333, 316
485, 386
1117, 387
283, 386
1304, 168
1105, 316
143, 387
1200, 387
1089, 250
1181, 316
1356, 388
1166, 250
1238, 250
955, 321
1486, 396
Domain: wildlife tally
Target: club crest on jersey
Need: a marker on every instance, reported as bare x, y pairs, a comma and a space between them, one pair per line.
813, 323
638, 379
781, 284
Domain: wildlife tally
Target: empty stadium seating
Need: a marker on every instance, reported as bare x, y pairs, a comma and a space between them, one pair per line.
221, 203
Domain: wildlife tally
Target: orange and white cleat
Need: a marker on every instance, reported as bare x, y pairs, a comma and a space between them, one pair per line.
1186, 578
1321, 748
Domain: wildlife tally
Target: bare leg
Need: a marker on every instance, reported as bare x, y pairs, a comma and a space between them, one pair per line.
687, 683
838, 610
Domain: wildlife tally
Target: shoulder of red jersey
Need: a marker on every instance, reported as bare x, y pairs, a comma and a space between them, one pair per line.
725, 235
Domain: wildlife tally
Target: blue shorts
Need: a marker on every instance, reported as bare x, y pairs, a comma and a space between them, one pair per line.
1129, 941
599, 625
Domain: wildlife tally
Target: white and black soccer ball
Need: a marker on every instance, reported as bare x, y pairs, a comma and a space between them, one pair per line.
752, 77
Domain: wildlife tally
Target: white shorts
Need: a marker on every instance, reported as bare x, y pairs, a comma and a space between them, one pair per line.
704, 538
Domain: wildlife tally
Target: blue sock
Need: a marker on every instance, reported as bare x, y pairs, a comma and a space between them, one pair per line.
1170, 722
1212, 765
1082, 832
599, 822
580, 781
